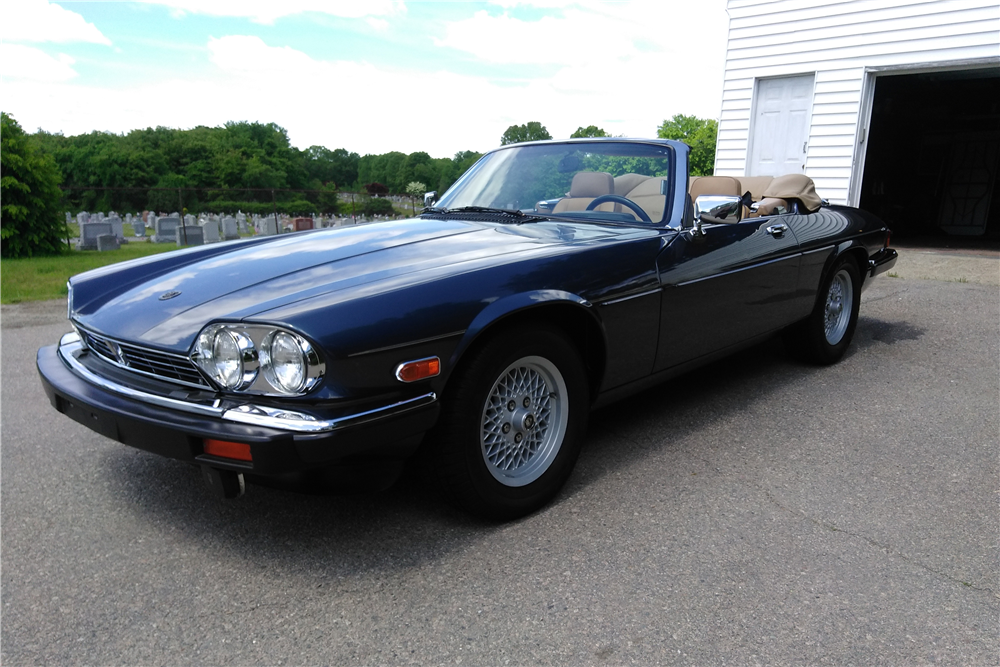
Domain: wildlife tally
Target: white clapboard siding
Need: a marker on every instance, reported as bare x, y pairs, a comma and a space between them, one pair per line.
839, 42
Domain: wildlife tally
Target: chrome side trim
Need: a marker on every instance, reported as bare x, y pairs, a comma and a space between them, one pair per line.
453, 334
247, 413
742, 268
258, 415
631, 296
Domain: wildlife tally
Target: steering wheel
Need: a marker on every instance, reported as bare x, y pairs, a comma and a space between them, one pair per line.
618, 199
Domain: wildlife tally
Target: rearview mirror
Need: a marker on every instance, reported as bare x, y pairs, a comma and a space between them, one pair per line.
430, 198
718, 209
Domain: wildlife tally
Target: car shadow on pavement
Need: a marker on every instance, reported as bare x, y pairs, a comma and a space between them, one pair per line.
409, 523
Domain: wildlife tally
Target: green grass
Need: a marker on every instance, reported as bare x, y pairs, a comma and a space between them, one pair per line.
41, 278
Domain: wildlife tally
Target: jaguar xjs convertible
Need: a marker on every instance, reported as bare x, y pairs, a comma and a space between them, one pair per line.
550, 279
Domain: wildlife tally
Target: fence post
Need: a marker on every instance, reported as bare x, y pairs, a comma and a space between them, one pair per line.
180, 212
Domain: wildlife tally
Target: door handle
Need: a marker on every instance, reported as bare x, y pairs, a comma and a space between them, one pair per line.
777, 231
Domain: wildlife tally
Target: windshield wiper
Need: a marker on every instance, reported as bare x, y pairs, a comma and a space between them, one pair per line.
506, 212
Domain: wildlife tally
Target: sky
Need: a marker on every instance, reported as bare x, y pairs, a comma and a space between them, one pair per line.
371, 76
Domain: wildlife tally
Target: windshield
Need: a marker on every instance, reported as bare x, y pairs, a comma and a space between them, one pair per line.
601, 180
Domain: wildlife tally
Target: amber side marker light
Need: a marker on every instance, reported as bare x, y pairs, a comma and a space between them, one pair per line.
228, 450
421, 369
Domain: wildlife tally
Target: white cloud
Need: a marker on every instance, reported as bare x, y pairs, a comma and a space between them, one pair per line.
26, 62
637, 73
575, 38
39, 21
267, 11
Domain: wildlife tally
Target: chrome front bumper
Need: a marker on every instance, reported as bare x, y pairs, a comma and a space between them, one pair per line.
296, 421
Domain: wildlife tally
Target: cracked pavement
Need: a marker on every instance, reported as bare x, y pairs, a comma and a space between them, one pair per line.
754, 512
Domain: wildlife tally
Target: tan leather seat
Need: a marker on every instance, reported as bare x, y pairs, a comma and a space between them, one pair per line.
649, 198
586, 186
625, 183
715, 185
755, 185
770, 206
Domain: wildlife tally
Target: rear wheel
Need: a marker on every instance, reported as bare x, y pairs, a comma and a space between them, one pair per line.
512, 423
824, 336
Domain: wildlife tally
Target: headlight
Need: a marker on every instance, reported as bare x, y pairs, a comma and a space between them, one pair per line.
284, 362
227, 355
257, 359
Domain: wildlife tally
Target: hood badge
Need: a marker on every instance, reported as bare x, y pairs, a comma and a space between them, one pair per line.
169, 295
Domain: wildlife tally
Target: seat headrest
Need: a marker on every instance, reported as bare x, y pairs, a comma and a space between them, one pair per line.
715, 185
625, 183
592, 184
755, 185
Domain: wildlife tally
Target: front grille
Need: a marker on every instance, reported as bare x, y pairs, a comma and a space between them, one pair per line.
163, 365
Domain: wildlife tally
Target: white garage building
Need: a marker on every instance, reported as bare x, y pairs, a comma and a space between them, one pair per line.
891, 105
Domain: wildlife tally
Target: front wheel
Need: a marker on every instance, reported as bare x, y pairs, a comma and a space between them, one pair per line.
512, 423
824, 336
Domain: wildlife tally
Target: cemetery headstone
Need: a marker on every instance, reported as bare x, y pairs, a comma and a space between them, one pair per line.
194, 234
138, 227
89, 233
210, 229
166, 229
230, 229
117, 225
107, 242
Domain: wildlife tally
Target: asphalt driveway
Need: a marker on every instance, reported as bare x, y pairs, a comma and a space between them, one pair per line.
757, 512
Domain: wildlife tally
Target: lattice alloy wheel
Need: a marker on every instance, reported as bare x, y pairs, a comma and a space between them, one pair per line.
512, 422
524, 421
837, 311
825, 335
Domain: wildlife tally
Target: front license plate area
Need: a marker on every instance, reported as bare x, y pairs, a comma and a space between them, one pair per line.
95, 421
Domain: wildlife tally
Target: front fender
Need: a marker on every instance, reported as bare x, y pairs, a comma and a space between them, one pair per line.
546, 303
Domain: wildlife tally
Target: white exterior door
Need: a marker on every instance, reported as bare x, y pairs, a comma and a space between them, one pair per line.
779, 133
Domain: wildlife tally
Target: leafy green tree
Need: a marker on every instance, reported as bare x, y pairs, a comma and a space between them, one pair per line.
377, 206
336, 166
698, 133
415, 189
533, 131
328, 201
589, 131
30, 222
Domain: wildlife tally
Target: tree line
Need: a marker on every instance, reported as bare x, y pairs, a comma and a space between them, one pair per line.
241, 165
222, 168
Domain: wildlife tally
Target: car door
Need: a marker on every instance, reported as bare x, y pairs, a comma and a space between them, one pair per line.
728, 284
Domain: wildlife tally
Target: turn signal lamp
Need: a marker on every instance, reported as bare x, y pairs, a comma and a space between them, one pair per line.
421, 369
228, 450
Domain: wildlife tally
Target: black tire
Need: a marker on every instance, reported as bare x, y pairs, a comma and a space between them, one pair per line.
825, 335
512, 423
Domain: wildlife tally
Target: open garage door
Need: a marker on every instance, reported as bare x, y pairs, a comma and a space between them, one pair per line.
932, 165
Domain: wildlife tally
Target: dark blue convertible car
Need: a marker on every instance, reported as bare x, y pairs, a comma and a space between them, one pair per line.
552, 278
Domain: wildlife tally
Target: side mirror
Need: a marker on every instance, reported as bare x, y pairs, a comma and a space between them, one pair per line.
718, 209
430, 198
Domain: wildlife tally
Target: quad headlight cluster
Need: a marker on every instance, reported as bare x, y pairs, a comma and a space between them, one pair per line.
257, 359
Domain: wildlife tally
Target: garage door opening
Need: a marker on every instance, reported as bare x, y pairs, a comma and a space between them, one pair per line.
933, 157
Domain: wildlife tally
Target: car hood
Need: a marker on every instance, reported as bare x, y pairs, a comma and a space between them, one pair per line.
182, 294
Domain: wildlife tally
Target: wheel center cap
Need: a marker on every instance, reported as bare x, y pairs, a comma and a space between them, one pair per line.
523, 420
